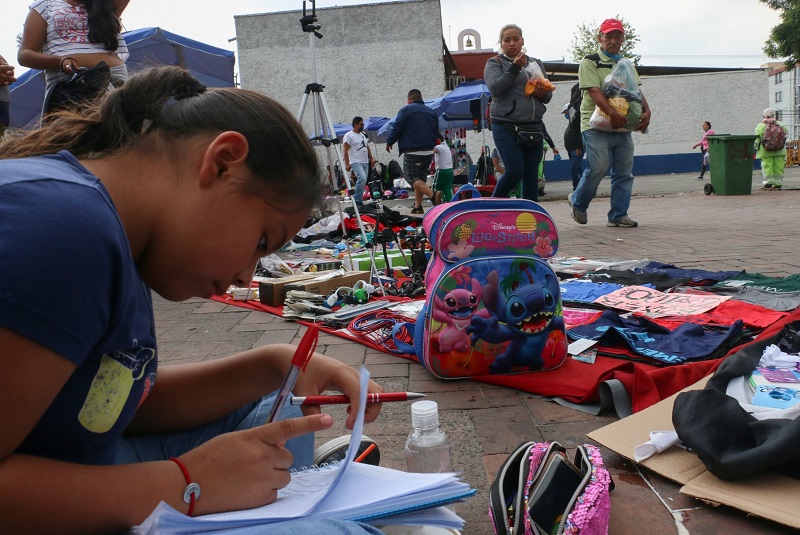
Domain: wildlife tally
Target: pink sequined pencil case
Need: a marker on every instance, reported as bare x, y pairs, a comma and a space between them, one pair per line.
540, 491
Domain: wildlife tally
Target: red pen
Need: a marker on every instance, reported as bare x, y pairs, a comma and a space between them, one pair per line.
300, 360
374, 397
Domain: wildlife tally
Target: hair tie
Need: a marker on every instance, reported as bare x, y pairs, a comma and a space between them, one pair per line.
188, 90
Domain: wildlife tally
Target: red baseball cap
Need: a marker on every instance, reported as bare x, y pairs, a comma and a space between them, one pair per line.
610, 25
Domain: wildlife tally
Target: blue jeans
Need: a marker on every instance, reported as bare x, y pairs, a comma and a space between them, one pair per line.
604, 151
361, 170
520, 164
311, 526
159, 447
575, 166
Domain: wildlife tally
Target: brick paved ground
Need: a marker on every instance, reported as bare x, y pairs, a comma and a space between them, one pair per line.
679, 224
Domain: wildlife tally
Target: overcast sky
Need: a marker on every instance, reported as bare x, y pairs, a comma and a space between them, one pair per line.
710, 33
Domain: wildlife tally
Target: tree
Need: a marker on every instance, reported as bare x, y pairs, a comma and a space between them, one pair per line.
784, 39
584, 42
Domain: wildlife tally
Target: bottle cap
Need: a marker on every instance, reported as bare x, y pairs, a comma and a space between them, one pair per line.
425, 414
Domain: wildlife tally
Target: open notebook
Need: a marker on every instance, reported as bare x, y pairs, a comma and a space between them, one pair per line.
335, 491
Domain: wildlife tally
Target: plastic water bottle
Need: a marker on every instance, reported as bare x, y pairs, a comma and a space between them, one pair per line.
427, 446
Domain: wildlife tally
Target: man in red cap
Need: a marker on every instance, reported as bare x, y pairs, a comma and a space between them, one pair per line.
612, 146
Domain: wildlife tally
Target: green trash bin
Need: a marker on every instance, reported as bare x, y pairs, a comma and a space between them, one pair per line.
730, 160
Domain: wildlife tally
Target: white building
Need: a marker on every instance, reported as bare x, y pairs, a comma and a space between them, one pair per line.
784, 96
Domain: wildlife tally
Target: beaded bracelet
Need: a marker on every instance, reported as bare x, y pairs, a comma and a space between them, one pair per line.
192, 491
61, 66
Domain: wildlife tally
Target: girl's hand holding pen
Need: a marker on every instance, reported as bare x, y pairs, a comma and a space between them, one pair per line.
243, 469
325, 373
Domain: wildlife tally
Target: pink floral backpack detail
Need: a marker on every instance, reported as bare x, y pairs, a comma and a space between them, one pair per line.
773, 138
493, 302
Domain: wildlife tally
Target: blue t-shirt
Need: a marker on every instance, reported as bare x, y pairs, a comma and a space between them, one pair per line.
69, 282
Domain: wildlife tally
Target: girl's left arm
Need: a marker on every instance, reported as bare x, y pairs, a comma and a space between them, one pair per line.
188, 395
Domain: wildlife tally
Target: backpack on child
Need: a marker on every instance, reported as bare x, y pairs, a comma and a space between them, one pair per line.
493, 304
774, 137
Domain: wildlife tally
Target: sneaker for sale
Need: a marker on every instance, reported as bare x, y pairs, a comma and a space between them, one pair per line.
577, 215
623, 221
336, 450
417, 210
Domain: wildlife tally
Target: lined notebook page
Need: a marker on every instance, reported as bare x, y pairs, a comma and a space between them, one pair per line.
308, 487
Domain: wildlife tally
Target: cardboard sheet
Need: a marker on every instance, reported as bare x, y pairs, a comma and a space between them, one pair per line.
768, 495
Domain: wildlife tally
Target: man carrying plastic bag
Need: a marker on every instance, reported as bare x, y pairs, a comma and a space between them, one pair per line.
610, 85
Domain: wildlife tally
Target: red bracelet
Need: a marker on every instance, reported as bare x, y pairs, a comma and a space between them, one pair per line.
192, 491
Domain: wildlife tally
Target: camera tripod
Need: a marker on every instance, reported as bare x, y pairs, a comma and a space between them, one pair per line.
382, 237
324, 131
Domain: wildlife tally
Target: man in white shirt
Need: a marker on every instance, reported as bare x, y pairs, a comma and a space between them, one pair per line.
358, 157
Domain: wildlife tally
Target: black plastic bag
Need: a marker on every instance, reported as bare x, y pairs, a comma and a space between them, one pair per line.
83, 86
731, 443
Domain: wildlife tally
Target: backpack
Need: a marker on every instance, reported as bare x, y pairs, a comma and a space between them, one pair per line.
773, 138
395, 171
572, 134
575, 100
493, 304
597, 61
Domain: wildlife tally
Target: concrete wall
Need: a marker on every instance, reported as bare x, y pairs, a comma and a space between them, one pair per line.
731, 101
368, 59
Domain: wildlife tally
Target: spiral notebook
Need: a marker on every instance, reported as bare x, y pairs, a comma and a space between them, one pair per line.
335, 491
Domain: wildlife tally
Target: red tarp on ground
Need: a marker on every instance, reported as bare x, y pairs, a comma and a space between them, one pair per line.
576, 381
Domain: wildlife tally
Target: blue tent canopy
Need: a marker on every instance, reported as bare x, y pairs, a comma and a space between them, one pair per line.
27, 97
371, 127
153, 46
148, 47
464, 103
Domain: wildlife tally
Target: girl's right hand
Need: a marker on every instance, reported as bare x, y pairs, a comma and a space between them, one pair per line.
521, 60
245, 469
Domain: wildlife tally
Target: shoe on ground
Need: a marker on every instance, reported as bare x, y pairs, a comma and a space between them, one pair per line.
336, 450
417, 210
577, 215
699, 177
623, 221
